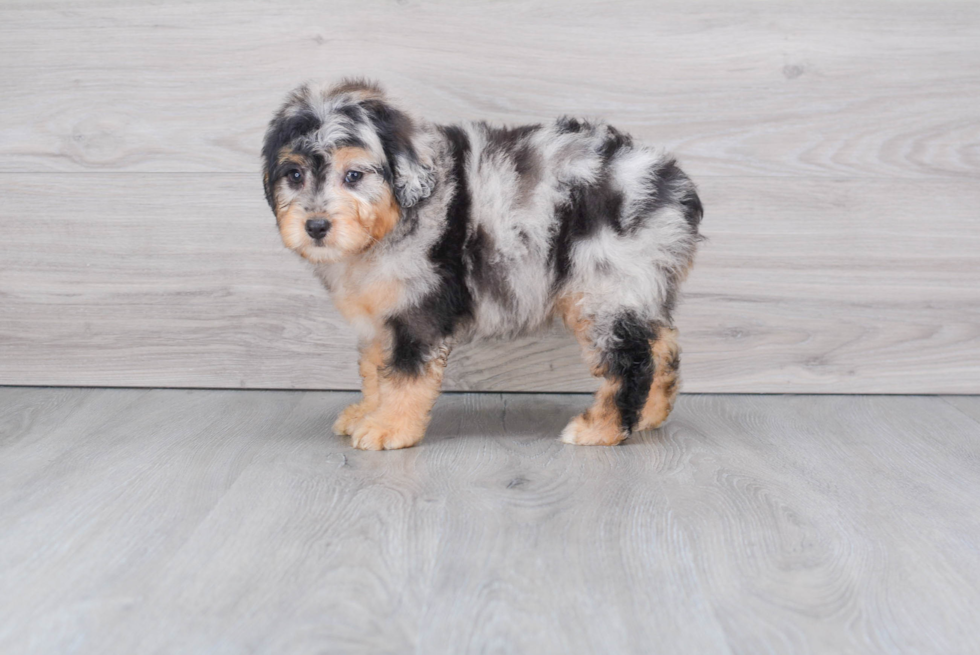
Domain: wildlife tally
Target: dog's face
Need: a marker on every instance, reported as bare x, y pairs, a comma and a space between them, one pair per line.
333, 203
340, 165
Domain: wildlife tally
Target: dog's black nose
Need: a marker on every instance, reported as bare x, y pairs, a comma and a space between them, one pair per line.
317, 227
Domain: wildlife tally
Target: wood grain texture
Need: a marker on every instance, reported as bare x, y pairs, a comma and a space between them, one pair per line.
837, 147
230, 521
787, 89
182, 281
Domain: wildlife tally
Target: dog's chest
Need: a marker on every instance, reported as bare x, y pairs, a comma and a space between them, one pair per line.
375, 299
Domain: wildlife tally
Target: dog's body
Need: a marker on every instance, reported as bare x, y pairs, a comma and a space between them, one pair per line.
427, 236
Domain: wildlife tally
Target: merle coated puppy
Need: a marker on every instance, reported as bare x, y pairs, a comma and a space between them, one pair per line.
429, 235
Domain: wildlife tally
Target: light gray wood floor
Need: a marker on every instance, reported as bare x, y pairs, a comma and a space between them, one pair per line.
181, 521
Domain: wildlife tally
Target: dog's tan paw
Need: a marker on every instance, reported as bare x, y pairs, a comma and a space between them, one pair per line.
349, 418
372, 434
653, 422
655, 413
658, 407
583, 432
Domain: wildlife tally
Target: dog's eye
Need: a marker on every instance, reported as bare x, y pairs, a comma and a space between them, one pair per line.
294, 175
353, 176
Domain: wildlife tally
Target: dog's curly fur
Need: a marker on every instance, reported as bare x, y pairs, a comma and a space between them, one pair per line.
428, 235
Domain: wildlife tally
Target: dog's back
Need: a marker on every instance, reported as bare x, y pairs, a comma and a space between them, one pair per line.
573, 208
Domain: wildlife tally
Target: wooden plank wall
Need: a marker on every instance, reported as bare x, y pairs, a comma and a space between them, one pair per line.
837, 148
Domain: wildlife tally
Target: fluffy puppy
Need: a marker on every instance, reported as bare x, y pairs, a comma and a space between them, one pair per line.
430, 235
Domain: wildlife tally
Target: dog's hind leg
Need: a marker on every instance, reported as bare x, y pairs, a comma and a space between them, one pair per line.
666, 378
621, 354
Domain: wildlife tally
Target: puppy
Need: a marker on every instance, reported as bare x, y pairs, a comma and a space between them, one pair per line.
430, 235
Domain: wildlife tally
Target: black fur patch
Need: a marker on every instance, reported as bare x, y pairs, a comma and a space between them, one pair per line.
669, 185
394, 128
439, 314
485, 273
670, 297
282, 131
352, 112
673, 185
512, 143
586, 208
409, 351
630, 360
693, 209
614, 142
447, 252
527, 162
505, 139
567, 124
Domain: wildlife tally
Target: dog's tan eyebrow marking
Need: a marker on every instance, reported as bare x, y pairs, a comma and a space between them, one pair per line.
289, 157
345, 157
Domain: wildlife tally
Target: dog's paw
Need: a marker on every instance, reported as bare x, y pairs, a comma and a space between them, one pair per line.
654, 419
657, 409
583, 432
349, 418
373, 434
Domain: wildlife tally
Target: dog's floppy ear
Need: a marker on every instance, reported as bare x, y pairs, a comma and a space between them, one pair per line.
410, 161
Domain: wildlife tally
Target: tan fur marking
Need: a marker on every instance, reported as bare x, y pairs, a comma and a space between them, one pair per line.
600, 425
386, 215
291, 221
666, 379
686, 271
342, 157
372, 301
401, 419
357, 88
570, 309
379, 217
372, 359
287, 155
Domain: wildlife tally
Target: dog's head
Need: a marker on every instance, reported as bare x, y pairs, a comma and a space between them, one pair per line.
340, 165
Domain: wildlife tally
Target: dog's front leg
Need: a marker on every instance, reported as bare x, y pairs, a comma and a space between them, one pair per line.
406, 399
372, 358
